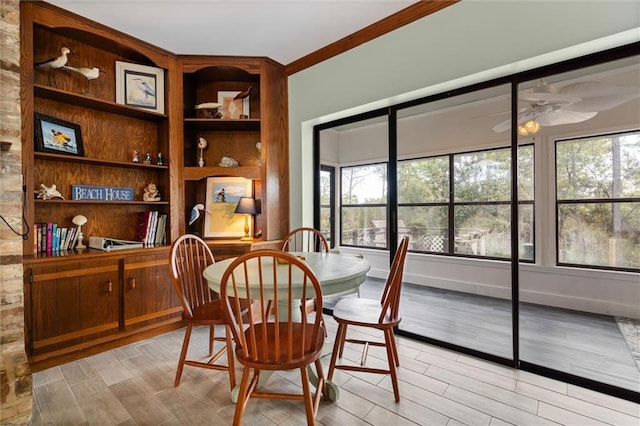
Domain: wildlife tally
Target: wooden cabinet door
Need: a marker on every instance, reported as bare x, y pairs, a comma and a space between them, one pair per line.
149, 297
71, 303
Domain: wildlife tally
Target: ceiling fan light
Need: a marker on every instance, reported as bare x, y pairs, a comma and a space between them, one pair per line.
531, 126
522, 131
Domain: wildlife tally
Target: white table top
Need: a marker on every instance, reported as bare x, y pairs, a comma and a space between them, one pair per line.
337, 273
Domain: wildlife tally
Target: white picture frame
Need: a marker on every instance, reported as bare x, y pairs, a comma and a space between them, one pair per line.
232, 109
140, 86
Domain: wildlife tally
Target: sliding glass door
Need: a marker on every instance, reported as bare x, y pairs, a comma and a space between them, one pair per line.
454, 201
586, 123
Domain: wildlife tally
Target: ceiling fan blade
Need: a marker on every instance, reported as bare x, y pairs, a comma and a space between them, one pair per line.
592, 89
544, 98
601, 103
555, 118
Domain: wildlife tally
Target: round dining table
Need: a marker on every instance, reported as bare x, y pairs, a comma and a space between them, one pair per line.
337, 274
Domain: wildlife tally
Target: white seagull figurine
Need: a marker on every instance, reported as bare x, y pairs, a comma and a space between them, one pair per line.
88, 73
58, 62
195, 213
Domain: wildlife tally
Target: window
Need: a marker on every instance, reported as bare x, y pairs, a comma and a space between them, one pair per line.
478, 214
598, 201
466, 195
364, 205
327, 195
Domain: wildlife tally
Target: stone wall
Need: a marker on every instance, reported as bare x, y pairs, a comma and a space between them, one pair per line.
16, 400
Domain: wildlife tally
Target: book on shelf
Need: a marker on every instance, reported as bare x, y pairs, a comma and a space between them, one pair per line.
151, 228
47, 236
63, 237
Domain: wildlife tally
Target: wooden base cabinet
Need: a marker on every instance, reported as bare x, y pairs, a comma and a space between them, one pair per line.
149, 297
96, 300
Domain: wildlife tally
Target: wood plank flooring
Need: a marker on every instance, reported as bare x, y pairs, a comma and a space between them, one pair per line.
579, 343
133, 385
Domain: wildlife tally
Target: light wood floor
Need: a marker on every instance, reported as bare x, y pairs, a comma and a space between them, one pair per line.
579, 343
133, 385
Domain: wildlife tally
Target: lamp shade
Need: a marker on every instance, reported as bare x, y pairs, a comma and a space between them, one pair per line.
246, 205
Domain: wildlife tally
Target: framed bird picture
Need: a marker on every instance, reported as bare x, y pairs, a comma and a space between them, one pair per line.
57, 136
140, 86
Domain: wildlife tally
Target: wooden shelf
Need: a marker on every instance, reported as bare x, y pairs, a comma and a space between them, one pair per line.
89, 253
121, 203
96, 162
250, 124
198, 173
86, 101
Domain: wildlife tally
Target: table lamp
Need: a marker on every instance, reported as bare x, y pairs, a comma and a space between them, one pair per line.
246, 206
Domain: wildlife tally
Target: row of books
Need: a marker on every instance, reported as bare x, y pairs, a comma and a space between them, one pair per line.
50, 238
151, 228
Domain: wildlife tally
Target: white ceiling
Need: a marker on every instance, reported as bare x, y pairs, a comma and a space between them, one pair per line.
284, 30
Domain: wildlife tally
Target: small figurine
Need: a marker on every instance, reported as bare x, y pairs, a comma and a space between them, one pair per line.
202, 144
228, 162
160, 161
259, 148
136, 156
195, 213
48, 193
147, 158
151, 193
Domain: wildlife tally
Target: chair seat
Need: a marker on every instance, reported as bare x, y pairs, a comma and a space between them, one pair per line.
363, 312
211, 313
278, 361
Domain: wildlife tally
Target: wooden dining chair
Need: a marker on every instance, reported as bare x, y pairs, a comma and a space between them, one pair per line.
305, 239
285, 339
381, 314
189, 256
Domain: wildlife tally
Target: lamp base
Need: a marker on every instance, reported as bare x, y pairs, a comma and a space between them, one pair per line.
246, 238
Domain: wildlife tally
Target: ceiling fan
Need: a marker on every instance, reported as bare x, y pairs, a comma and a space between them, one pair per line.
550, 105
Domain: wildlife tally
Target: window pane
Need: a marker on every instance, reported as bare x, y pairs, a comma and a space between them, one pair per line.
424, 180
364, 226
325, 187
525, 224
483, 230
599, 234
364, 184
325, 223
482, 176
525, 176
427, 227
601, 167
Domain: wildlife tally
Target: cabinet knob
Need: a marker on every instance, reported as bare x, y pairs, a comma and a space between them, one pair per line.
109, 286
132, 283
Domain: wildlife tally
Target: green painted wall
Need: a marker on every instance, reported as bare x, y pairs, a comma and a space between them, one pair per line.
473, 40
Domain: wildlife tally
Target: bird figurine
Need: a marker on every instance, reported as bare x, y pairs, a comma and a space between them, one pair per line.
58, 62
89, 73
244, 93
195, 213
54, 63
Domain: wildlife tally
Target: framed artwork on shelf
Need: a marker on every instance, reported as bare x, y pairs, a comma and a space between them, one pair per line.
223, 194
57, 136
140, 86
231, 108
